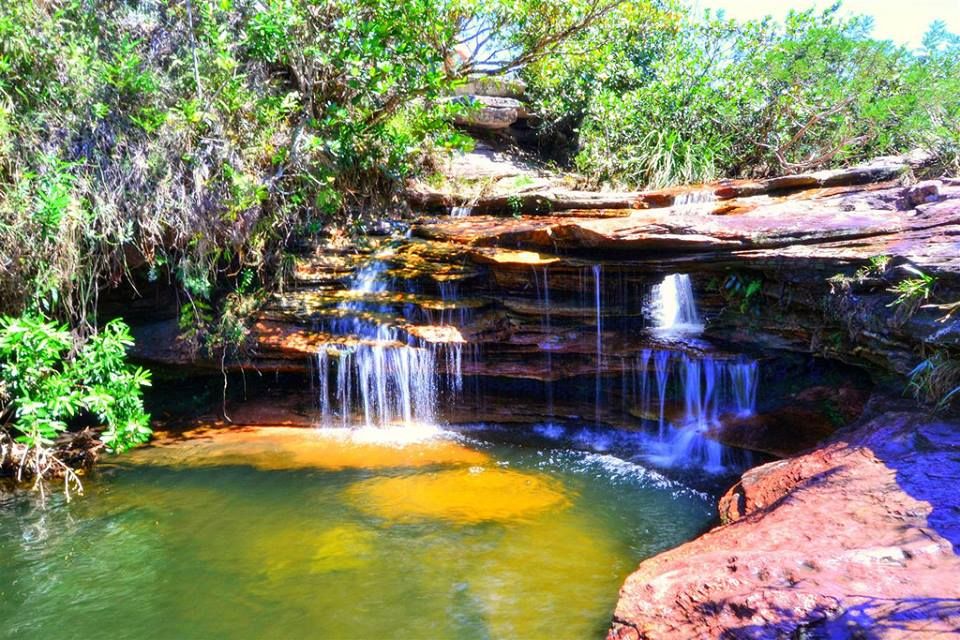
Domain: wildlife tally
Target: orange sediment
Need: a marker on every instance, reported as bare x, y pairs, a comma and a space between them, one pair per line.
281, 448
464, 496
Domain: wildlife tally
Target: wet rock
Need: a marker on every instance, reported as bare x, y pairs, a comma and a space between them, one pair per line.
856, 539
804, 420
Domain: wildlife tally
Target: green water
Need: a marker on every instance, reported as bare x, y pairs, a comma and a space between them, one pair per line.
185, 547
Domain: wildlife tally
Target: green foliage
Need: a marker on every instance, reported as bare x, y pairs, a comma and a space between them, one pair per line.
743, 291
708, 97
936, 380
201, 137
876, 267
515, 204
614, 55
48, 382
912, 292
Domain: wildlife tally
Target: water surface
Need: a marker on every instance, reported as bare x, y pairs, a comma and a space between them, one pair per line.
297, 533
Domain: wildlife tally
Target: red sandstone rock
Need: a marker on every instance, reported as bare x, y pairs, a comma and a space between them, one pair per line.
856, 539
857, 223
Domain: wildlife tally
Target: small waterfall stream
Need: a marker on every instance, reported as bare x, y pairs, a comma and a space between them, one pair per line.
372, 372
687, 396
673, 306
389, 383
598, 300
695, 201
706, 388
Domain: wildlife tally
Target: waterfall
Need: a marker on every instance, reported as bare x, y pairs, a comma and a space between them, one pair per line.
687, 396
386, 383
370, 373
695, 201
597, 296
673, 307
543, 301
461, 212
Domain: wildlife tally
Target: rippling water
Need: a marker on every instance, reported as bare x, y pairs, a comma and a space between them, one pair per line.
273, 533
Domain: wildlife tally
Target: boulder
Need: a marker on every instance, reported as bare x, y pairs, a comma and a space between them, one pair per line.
494, 87
803, 421
856, 539
488, 112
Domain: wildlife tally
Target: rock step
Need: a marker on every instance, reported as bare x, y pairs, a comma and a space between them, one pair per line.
502, 198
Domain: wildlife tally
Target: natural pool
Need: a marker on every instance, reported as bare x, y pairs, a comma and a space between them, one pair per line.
298, 533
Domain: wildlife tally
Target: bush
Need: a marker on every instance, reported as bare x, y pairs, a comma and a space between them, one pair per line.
49, 382
196, 140
714, 98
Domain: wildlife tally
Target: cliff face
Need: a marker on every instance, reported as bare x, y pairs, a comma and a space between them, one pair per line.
558, 303
858, 538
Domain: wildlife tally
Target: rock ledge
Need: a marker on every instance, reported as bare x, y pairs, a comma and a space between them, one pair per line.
856, 539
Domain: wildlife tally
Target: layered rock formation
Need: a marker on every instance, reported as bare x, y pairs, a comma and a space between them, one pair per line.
809, 249
784, 264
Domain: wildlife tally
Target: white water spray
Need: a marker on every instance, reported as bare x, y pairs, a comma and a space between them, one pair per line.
673, 306
374, 377
688, 396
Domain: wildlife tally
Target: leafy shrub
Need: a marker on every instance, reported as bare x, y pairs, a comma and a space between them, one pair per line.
48, 383
197, 140
711, 98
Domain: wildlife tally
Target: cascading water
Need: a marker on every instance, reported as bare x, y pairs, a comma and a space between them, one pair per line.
687, 395
598, 301
543, 300
388, 383
673, 306
372, 374
694, 201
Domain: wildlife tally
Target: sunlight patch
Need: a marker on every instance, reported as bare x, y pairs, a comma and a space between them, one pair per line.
465, 496
282, 448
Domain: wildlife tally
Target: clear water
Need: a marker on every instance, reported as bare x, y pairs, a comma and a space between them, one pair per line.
286, 533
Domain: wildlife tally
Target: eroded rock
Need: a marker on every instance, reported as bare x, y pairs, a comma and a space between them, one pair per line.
858, 537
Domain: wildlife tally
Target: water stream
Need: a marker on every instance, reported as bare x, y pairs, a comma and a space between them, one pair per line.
372, 371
